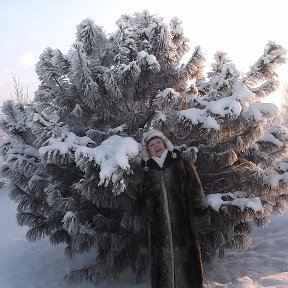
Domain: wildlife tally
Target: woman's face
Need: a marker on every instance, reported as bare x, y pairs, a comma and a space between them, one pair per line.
156, 147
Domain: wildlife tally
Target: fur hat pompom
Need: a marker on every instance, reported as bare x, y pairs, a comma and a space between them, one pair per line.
147, 136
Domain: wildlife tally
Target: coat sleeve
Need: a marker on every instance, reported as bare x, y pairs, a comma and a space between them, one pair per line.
197, 198
197, 194
135, 185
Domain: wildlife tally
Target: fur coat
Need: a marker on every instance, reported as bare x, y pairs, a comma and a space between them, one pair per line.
173, 195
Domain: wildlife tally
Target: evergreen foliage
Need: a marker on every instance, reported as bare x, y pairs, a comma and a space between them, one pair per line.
73, 152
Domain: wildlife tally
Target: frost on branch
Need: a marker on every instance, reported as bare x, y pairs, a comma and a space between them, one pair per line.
72, 155
112, 156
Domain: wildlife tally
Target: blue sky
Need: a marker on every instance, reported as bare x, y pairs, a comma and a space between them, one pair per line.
240, 28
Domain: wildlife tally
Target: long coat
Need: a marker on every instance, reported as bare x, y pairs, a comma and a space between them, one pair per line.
172, 195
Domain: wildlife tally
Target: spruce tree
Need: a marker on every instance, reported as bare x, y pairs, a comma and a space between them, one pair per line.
73, 152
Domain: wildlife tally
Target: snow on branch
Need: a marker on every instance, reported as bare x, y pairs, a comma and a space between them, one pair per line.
269, 137
232, 106
197, 116
130, 72
258, 110
72, 224
148, 60
225, 106
63, 144
112, 156
37, 118
283, 165
166, 99
266, 88
14, 118
218, 200
273, 56
228, 106
194, 67
20, 157
22, 149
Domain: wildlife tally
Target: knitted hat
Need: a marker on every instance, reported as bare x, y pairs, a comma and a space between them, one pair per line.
147, 136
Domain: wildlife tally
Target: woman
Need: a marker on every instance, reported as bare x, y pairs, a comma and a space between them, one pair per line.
173, 195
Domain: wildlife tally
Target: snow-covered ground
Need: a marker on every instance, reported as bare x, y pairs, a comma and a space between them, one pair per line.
41, 265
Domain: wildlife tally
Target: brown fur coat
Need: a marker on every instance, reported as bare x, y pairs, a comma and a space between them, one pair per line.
173, 195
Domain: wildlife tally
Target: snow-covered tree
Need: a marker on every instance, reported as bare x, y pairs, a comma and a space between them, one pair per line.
73, 155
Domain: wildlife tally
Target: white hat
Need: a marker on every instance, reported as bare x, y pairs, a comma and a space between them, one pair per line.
148, 136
